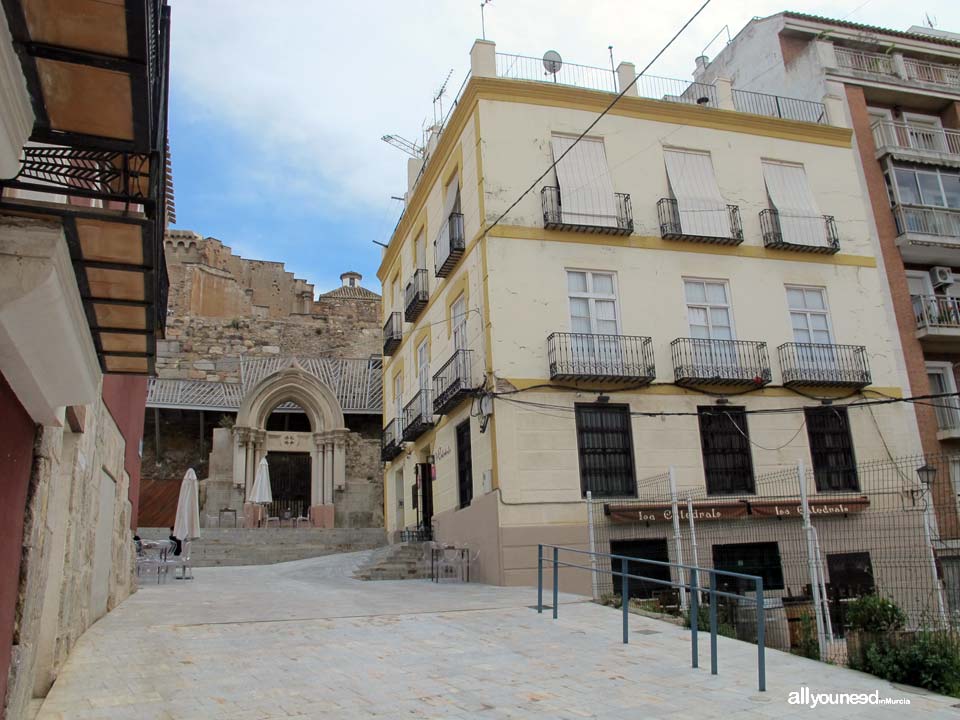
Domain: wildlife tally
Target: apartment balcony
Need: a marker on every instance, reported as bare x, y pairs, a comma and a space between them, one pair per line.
672, 226
416, 295
948, 419
449, 246
810, 233
941, 75
698, 361
453, 382
391, 444
916, 143
868, 63
786, 108
417, 416
392, 333
938, 321
824, 365
615, 358
617, 221
896, 68
929, 235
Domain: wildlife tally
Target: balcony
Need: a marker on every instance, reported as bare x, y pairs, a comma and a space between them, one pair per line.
938, 320
453, 382
392, 333
948, 419
417, 416
892, 66
617, 358
869, 63
823, 365
698, 361
671, 225
944, 76
809, 233
776, 106
449, 246
916, 143
554, 217
928, 234
390, 443
416, 295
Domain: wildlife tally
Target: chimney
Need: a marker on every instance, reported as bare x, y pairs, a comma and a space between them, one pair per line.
701, 63
351, 279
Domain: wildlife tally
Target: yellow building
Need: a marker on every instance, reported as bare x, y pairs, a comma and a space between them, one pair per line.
680, 258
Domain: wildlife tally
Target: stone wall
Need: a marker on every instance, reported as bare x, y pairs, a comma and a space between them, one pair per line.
76, 563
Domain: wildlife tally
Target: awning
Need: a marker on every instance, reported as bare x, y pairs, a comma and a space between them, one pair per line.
703, 211
586, 188
800, 221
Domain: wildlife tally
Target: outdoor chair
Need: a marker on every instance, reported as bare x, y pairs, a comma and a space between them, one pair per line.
269, 519
451, 564
181, 561
301, 519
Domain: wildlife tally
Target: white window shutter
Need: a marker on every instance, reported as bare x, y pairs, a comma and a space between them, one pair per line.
586, 189
703, 211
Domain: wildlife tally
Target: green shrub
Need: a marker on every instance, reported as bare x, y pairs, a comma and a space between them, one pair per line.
928, 659
874, 614
703, 621
808, 645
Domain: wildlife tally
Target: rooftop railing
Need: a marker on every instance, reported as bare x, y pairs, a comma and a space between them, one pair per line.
779, 107
917, 139
862, 61
912, 69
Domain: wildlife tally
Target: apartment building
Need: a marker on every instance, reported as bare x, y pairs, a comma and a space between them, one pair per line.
83, 179
900, 94
684, 256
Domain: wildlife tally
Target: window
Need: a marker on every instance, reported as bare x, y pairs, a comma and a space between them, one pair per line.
398, 403
790, 195
762, 559
423, 374
398, 484
396, 304
703, 211
464, 464
831, 449
605, 444
940, 375
420, 252
458, 316
586, 188
935, 188
708, 309
655, 549
851, 574
451, 197
808, 314
725, 442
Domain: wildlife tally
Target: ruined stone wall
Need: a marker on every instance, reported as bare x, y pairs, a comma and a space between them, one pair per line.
77, 563
360, 504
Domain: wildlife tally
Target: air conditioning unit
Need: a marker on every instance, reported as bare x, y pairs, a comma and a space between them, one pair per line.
941, 276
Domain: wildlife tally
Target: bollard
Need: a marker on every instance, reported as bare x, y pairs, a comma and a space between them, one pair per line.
713, 623
625, 603
694, 618
761, 639
540, 579
556, 582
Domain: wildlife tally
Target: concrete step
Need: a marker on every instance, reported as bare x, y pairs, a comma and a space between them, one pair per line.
396, 562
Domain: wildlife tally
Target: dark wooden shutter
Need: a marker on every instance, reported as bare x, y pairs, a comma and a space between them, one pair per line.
605, 443
831, 449
727, 461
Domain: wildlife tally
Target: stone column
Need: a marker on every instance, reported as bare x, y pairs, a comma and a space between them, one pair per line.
239, 458
328, 470
259, 444
317, 495
340, 459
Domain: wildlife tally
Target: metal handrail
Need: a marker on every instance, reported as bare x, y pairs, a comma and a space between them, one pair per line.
671, 224
801, 234
910, 136
692, 586
936, 311
928, 220
824, 364
877, 63
614, 357
786, 108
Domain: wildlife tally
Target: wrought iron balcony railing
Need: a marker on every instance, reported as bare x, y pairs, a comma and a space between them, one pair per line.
698, 361
941, 223
823, 365
810, 233
453, 382
779, 107
911, 139
584, 356
417, 415
671, 225
936, 312
416, 295
392, 333
390, 442
554, 217
449, 246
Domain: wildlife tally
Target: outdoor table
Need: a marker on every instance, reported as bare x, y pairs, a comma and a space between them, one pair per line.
164, 546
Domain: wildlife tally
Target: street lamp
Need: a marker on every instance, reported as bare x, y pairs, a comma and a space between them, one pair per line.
926, 474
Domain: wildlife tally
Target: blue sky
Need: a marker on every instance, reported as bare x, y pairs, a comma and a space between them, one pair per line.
277, 109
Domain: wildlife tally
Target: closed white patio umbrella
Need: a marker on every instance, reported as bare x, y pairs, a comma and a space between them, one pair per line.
261, 492
187, 523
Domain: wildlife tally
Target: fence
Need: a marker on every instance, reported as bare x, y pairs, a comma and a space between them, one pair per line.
818, 539
779, 107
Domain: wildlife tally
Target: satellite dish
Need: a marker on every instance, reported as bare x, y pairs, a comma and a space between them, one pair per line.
552, 62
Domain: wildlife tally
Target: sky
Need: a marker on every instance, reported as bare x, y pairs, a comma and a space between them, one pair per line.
277, 108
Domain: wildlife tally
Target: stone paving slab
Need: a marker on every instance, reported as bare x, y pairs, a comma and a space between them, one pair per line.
304, 640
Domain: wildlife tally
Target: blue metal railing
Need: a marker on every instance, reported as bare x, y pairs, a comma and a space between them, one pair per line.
693, 586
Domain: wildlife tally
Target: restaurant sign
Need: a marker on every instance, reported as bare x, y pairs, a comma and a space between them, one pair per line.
731, 510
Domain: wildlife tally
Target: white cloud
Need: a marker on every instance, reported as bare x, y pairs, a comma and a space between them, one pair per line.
312, 86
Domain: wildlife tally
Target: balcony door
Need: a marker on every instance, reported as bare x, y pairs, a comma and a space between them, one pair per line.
810, 320
711, 327
940, 375
925, 132
423, 373
398, 404
594, 321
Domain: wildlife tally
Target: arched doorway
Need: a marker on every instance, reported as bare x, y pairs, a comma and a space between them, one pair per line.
289, 468
289, 390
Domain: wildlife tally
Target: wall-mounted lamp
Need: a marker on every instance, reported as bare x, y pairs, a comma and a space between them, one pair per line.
431, 459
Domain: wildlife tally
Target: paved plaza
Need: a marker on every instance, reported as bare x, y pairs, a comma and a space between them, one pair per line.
304, 640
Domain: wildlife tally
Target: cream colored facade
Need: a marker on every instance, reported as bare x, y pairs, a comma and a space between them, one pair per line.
525, 466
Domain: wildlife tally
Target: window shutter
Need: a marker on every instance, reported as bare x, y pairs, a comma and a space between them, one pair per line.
790, 194
586, 189
703, 211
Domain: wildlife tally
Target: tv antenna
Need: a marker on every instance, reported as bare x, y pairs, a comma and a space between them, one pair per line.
438, 98
483, 24
401, 143
552, 62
